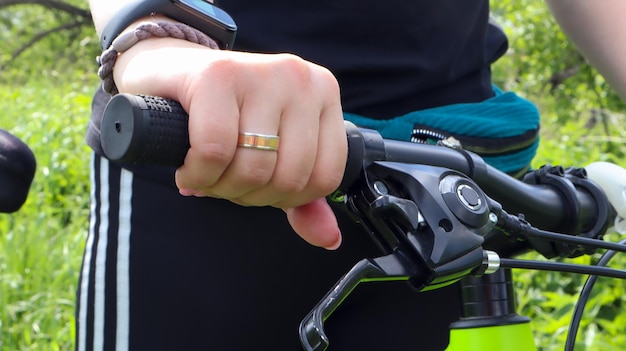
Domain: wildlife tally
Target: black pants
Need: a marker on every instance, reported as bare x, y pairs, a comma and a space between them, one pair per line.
167, 272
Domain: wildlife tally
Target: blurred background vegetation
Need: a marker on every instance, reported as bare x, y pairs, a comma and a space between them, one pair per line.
47, 76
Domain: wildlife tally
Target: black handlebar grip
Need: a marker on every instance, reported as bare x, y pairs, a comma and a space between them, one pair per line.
153, 130
145, 130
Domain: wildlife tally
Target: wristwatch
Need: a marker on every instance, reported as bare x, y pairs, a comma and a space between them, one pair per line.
199, 14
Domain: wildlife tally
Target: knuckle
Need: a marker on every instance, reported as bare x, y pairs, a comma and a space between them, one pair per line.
215, 154
291, 61
299, 72
291, 183
220, 70
328, 78
255, 176
326, 184
215, 73
332, 97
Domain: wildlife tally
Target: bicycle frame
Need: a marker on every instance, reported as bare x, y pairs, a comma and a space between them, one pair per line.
493, 338
490, 320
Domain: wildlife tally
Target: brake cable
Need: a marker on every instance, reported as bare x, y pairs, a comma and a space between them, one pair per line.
518, 228
562, 267
585, 294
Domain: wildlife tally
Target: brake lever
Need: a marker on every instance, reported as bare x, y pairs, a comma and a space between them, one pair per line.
430, 224
391, 267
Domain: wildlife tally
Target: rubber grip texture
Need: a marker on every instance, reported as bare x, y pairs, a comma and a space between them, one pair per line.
143, 129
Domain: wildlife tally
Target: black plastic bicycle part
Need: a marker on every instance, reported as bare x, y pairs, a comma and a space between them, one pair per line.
391, 267
145, 129
488, 300
17, 170
431, 246
568, 182
543, 204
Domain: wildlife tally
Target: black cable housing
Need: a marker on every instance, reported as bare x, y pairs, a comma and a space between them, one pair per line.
518, 228
562, 267
585, 293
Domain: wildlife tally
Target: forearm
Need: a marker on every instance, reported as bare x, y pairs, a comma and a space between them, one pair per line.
598, 30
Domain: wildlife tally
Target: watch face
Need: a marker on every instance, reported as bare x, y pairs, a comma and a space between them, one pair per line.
210, 10
204, 6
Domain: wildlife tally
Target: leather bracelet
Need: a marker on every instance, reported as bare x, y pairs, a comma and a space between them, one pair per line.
161, 29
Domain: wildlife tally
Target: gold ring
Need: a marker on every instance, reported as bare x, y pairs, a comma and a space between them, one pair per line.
258, 141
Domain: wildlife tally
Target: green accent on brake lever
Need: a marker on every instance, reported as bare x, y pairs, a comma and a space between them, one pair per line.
384, 279
338, 196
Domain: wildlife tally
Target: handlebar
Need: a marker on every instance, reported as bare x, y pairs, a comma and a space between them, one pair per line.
436, 212
153, 130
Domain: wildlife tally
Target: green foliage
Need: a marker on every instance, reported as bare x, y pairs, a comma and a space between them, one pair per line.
582, 122
45, 95
40, 245
37, 40
542, 63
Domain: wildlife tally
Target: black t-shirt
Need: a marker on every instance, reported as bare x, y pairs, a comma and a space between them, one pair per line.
390, 57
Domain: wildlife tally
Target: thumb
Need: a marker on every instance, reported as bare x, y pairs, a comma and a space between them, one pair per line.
316, 223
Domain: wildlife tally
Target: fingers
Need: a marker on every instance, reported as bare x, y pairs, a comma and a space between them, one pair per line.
249, 169
226, 93
213, 130
295, 100
279, 95
295, 158
299, 178
315, 222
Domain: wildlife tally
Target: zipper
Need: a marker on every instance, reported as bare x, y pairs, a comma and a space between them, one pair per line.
485, 146
426, 136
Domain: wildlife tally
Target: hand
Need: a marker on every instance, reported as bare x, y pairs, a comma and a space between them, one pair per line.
227, 93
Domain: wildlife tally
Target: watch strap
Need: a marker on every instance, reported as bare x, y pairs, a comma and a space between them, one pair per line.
128, 14
145, 30
136, 9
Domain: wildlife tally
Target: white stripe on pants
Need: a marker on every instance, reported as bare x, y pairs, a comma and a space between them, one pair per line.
98, 239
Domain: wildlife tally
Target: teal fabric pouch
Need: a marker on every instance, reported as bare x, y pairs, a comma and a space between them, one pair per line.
503, 130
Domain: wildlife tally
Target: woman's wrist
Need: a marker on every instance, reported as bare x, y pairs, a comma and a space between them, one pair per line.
160, 66
142, 31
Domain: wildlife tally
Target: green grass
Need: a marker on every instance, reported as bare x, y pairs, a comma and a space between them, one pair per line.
41, 245
549, 298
